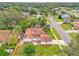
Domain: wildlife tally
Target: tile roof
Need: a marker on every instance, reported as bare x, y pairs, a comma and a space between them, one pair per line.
76, 25
4, 35
33, 32
37, 33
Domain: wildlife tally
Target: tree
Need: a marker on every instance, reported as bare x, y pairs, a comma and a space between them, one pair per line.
29, 49
14, 37
32, 12
45, 11
17, 29
13, 40
24, 23
42, 21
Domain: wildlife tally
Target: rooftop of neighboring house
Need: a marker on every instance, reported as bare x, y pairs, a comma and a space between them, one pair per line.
4, 35
75, 10
76, 25
65, 15
37, 33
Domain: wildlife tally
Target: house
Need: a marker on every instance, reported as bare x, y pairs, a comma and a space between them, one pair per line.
4, 35
37, 36
75, 11
65, 17
76, 25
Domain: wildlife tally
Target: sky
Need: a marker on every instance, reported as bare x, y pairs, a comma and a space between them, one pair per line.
39, 0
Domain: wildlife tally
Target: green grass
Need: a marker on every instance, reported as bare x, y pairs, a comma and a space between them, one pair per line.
56, 33
20, 51
43, 50
58, 20
75, 36
50, 33
67, 26
48, 22
47, 50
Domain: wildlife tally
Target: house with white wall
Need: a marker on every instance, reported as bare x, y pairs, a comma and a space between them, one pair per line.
37, 36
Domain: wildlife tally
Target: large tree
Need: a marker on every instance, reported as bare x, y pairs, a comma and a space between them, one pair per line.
32, 12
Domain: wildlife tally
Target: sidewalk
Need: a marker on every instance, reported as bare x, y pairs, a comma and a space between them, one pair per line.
60, 41
59, 23
74, 31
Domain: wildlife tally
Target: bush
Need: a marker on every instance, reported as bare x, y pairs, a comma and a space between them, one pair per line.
3, 52
29, 49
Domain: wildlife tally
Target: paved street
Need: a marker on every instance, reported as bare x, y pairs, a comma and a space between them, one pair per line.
65, 37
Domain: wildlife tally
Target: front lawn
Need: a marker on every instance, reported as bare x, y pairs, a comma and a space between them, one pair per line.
57, 19
50, 33
48, 21
75, 36
67, 26
43, 50
56, 33
47, 50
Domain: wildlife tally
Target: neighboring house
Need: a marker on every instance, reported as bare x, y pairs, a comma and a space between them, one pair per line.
75, 11
4, 35
66, 17
37, 36
76, 25
55, 11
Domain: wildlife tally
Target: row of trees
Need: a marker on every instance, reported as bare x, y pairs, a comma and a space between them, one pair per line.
12, 13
